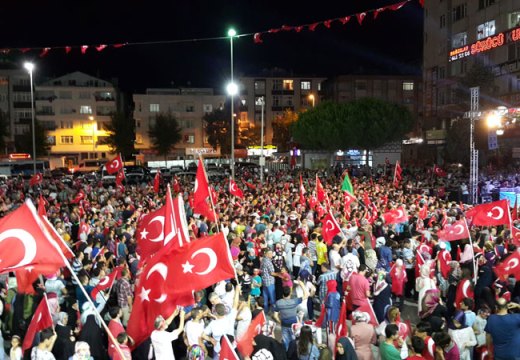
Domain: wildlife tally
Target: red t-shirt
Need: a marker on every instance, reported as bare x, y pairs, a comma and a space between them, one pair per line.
115, 328
358, 288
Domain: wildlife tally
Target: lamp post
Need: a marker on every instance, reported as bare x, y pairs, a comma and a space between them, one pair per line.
313, 99
30, 67
261, 101
232, 89
91, 118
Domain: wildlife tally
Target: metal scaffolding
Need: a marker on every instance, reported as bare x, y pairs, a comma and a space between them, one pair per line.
473, 153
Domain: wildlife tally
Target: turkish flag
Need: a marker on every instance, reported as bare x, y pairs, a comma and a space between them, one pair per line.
464, 290
444, 258
234, 189
201, 194
348, 198
494, 213
367, 307
200, 263
397, 174
36, 179
114, 165
330, 228
439, 171
41, 206
177, 228
395, 216
176, 185
24, 227
515, 236
320, 191
226, 349
341, 326
79, 196
106, 282
514, 212
57, 238
41, 320
84, 228
423, 213
510, 266
120, 177
157, 182
245, 343
249, 185
456, 231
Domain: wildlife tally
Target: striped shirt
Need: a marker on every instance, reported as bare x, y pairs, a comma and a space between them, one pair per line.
267, 268
124, 290
322, 281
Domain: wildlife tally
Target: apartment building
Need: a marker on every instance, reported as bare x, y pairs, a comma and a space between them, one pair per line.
188, 106
73, 109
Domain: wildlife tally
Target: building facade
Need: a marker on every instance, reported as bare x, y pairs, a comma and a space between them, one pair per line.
188, 106
73, 110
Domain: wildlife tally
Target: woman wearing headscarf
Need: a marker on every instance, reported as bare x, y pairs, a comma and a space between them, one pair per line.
432, 305
345, 350
81, 351
399, 280
91, 334
462, 335
261, 342
382, 296
332, 303
64, 346
424, 283
364, 335
278, 263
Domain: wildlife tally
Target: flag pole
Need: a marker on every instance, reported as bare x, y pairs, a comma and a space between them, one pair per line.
472, 253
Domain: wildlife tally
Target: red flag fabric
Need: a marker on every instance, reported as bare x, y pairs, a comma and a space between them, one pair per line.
157, 182
226, 350
302, 191
330, 228
106, 282
234, 189
321, 318
249, 185
114, 165
201, 194
510, 266
397, 174
419, 261
494, 213
395, 216
79, 196
36, 179
41, 206
367, 307
41, 320
200, 264
456, 231
84, 228
57, 238
348, 198
341, 326
515, 236
439, 171
423, 213
514, 211
245, 343
24, 227
176, 185
120, 177
320, 191
444, 258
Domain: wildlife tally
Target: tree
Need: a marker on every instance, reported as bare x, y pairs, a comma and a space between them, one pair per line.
217, 129
363, 124
164, 134
282, 129
4, 122
121, 135
24, 144
249, 136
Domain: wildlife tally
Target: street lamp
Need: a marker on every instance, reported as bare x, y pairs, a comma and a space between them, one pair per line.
91, 118
30, 67
232, 90
311, 98
261, 101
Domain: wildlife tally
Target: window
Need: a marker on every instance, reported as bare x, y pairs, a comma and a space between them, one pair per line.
190, 108
189, 139
65, 95
408, 85
66, 124
459, 39
67, 139
288, 85
442, 72
486, 29
442, 21
482, 4
85, 109
84, 95
276, 101
361, 85
459, 12
85, 140
305, 85
514, 19
154, 108
50, 140
260, 87
277, 84
207, 108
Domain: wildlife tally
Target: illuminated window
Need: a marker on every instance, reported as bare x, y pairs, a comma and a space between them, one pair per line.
189, 139
207, 108
86, 140
305, 85
459, 39
408, 85
514, 19
67, 139
66, 124
288, 85
154, 108
486, 29
85, 109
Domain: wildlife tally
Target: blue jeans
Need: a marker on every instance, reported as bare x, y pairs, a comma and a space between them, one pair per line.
287, 337
269, 297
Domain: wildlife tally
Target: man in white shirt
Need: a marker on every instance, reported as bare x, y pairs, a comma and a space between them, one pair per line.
162, 339
195, 327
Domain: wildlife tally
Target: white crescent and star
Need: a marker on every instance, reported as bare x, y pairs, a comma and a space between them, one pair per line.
458, 226
500, 213
188, 267
233, 187
511, 264
331, 225
400, 212
104, 281
465, 288
159, 237
196, 186
114, 164
162, 270
28, 242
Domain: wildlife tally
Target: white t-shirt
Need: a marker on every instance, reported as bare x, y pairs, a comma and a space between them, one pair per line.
162, 344
243, 325
335, 260
297, 254
193, 331
219, 327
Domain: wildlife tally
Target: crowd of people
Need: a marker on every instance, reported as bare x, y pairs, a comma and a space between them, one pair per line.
449, 306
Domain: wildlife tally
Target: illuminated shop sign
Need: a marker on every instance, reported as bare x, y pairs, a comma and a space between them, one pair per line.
486, 44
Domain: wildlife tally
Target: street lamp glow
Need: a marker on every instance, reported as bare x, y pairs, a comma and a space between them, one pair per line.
231, 32
493, 120
29, 66
232, 89
500, 132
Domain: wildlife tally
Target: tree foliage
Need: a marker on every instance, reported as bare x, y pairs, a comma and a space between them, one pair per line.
217, 129
121, 136
164, 133
363, 124
23, 143
249, 137
282, 129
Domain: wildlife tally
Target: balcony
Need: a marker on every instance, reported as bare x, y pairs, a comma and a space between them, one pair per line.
22, 104
282, 108
104, 98
104, 112
45, 112
282, 92
22, 88
24, 121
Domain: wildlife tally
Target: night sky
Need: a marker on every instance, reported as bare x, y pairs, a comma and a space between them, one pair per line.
392, 44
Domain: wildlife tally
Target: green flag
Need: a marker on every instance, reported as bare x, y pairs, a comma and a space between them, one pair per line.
347, 185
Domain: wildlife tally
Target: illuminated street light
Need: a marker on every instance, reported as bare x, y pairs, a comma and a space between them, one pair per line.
30, 67
232, 90
313, 99
500, 132
493, 120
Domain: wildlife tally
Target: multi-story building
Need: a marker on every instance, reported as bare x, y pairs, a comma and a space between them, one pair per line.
15, 102
73, 109
280, 94
188, 106
457, 33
